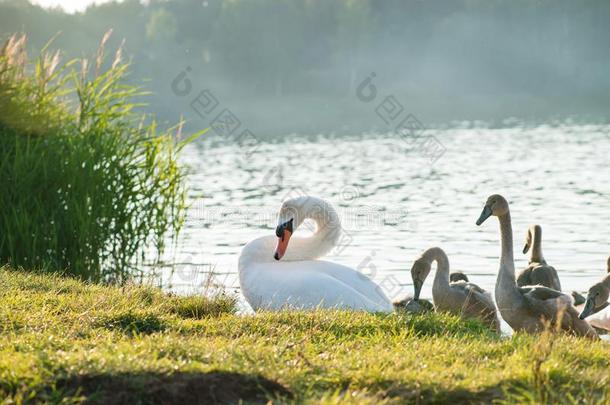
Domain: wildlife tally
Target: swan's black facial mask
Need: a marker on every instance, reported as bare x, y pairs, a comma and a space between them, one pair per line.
283, 233
286, 226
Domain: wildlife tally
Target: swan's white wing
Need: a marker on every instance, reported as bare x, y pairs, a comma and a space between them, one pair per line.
310, 285
354, 279
600, 319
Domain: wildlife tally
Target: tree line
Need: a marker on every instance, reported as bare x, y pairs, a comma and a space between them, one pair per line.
500, 58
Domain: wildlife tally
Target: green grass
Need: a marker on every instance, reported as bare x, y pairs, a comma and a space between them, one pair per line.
89, 184
65, 340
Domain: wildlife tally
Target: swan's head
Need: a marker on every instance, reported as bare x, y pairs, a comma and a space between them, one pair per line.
457, 276
419, 272
496, 205
283, 232
597, 297
534, 230
291, 216
293, 213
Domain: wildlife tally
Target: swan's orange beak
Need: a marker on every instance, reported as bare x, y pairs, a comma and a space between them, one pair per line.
282, 244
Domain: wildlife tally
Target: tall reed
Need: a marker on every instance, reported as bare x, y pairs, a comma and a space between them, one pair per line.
89, 186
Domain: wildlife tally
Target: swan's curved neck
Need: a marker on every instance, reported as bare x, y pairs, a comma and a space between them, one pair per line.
442, 264
536, 254
325, 237
506, 275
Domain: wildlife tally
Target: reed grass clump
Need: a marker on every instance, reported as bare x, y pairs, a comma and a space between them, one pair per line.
89, 185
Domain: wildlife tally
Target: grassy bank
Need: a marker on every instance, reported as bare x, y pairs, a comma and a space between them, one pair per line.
62, 338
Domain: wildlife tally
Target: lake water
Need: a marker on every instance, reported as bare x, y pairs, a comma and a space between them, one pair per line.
395, 202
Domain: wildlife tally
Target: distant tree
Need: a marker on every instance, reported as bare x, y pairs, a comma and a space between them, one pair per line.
354, 32
548, 53
161, 26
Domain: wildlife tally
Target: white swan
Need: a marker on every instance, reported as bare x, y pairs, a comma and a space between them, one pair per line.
276, 275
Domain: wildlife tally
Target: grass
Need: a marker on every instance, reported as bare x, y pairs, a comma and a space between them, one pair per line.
66, 340
90, 184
